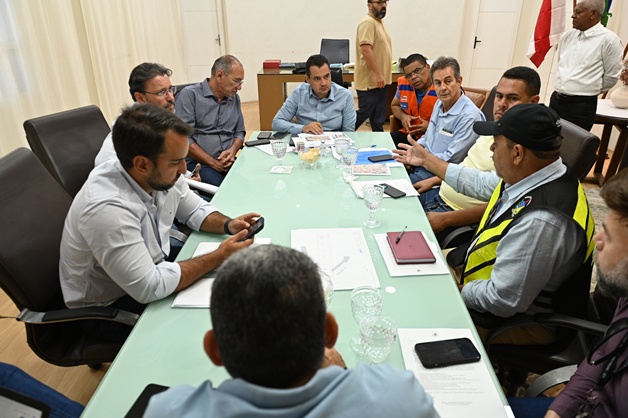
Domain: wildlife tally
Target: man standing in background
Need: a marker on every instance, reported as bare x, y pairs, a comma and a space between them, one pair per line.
589, 63
373, 67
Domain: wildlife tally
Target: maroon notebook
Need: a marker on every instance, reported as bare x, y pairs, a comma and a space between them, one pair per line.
411, 248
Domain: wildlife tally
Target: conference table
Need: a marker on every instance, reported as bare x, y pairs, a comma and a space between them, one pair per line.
611, 116
166, 345
272, 90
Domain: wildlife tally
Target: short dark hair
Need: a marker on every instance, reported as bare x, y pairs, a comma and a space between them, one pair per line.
144, 72
615, 194
528, 75
268, 314
414, 58
317, 60
225, 64
141, 129
443, 62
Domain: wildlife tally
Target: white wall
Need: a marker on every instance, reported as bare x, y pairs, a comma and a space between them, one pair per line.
291, 30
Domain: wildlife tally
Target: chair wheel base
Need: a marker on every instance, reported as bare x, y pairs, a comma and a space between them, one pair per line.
95, 366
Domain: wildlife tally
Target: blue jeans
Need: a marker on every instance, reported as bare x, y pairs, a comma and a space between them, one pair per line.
420, 173
530, 407
432, 202
208, 174
372, 106
16, 380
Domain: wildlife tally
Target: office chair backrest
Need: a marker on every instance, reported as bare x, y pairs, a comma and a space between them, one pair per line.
578, 149
336, 76
180, 87
67, 142
32, 215
487, 108
335, 50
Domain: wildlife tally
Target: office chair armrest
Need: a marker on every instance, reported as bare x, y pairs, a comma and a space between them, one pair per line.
66, 315
571, 322
460, 235
514, 322
207, 188
550, 379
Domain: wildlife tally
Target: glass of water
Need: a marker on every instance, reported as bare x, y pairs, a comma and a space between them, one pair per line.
373, 196
341, 144
349, 157
378, 335
366, 302
279, 150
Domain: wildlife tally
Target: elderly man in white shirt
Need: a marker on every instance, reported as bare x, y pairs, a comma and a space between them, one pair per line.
589, 63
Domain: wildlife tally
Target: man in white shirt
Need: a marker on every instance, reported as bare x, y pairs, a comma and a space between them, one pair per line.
589, 63
116, 235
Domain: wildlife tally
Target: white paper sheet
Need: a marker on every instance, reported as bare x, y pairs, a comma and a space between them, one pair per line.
401, 184
313, 140
464, 390
342, 251
396, 270
197, 295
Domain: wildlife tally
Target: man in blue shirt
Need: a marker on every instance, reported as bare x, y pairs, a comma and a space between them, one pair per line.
212, 107
449, 134
319, 104
275, 337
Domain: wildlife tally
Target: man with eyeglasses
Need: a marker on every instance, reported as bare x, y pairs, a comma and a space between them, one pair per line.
373, 67
148, 83
212, 107
414, 100
319, 105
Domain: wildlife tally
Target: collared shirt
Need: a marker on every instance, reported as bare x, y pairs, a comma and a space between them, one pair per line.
533, 256
589, 62
336, 112
372, 31
215, 124
116, 237
331, 392
449, 135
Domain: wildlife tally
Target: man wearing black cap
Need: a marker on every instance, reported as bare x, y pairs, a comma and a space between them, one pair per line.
537, 229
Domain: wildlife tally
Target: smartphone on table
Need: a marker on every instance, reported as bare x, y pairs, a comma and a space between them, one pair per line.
279, 135
255, 142
380, 158
392, 191
446, 352
255, 227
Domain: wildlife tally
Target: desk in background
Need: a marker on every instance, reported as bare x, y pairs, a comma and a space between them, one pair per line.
272, 92
166, 345
609, 116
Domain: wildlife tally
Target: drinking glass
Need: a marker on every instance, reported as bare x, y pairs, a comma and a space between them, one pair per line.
341, 145
366, 302
328, 286
378, 335
349, 157
373, 196
279, 150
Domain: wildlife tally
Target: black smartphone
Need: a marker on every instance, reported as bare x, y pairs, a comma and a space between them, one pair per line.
197, 168
379, 158
255, 227
392, 191
446, 352
141, 403
255, 142
279, 135
264, 135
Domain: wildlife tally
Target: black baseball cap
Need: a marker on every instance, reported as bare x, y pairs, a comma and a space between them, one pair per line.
533, 125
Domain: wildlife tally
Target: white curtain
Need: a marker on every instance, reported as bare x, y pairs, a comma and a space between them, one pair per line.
62, 54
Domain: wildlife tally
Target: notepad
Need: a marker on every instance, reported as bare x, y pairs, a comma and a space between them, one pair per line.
411, 248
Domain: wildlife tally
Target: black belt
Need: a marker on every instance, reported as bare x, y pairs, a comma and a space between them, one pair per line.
574, 99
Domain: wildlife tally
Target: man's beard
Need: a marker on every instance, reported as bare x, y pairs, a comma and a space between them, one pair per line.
381, 14
615, 282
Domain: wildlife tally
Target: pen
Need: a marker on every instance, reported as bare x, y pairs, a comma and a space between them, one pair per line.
401, 235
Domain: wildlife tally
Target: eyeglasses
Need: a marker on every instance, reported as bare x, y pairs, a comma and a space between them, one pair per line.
235, 80
162, 93
379, 2
416, 71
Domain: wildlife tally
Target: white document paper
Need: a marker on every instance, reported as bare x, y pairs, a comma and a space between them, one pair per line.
313, 140
197, 295
267, 148
401, 184
396, 270
341, 251
464, 390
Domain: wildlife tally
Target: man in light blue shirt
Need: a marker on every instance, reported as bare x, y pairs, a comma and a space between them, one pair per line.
273, 334
319, 104
449, 134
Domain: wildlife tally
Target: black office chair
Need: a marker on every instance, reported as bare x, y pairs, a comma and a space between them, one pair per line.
335, 50
180, 87
487, 108
578, 152
67, 143
32, 215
